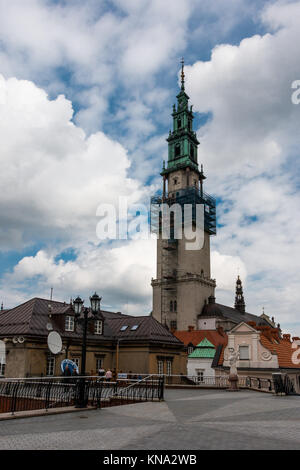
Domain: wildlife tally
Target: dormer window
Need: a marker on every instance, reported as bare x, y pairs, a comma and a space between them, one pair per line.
98, 327
69, 323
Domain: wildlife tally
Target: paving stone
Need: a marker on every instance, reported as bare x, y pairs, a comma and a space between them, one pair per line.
187, 420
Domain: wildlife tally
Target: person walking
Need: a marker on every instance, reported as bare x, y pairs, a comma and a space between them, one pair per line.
108, 375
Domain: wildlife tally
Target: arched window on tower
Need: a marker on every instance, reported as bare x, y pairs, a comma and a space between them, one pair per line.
177, 150
179, 123
171, 306
192, 152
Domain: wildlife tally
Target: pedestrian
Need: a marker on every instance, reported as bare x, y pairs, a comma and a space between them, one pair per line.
108, 375
75, 374
67, 373
101, 372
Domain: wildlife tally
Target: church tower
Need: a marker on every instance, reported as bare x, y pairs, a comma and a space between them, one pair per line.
183, 283
239, 296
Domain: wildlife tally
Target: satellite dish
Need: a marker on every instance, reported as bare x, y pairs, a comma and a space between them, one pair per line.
15, 339
21, 339
49, 326
54, 342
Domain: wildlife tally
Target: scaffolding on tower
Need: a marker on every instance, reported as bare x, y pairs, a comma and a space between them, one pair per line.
169, 252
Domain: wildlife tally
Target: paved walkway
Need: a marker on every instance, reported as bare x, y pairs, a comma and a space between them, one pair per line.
188, 419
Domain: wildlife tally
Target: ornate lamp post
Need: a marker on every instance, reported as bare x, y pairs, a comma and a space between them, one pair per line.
81, 316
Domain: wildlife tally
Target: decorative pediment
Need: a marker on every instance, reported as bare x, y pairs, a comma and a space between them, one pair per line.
243, 328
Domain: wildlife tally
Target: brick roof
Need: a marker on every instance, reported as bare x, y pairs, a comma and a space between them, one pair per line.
270, 339
194, 337
283, 349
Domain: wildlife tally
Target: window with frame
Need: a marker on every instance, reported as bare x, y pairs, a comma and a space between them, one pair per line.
99, 363
173, 325
179, 123
200, 375
177, 150
175, 305
77, 361
190, 349
50, 368
171, 305
69, 323
2, 369
169, 367
160, 367
98, 327
192, 152
244, 353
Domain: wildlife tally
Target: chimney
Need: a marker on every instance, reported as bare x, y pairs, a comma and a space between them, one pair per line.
211, 299
287, 337
191, 327
220, 330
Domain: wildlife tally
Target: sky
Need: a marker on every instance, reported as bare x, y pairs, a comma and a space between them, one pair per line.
86, 95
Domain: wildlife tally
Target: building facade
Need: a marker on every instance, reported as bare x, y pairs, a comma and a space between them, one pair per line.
139, 345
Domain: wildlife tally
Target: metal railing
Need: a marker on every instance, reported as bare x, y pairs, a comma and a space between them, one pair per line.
200, 381
260, 384
34, 394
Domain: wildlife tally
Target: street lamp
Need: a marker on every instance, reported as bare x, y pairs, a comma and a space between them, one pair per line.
84, 320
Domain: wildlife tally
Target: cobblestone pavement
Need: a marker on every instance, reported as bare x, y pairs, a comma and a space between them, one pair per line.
188, 419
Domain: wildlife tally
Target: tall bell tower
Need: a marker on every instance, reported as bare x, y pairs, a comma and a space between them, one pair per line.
183, 283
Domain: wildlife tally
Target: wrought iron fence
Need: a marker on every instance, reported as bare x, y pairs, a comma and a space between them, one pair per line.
33, 394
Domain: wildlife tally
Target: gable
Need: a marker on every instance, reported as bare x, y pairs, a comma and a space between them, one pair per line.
243, 328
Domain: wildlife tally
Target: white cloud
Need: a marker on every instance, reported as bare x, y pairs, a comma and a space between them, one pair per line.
120, 273
53, 177
225, 269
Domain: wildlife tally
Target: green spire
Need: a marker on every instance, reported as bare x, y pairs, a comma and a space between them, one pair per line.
182, 140
182, 73
205, 349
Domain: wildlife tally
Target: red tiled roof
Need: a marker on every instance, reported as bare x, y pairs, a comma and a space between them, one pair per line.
270, 339
196, 336
283, 350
